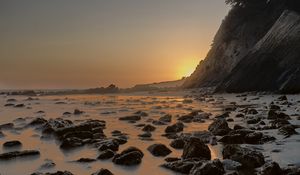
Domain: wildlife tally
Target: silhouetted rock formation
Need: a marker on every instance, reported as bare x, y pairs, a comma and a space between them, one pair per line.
255, 49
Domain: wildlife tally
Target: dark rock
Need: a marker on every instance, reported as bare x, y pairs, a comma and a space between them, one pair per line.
181, 166
106, 154
253, 121
149, 128
274, 107
145, 135
273, 115
252, 111
172, 159
236, 127
232, 139
15, 154
71, 142
13, 143
38, 121
85, 160
271, 168
249, 158
219, 127
177, 127
195, 148
111, 144
253, 138
67, 113
77, 112
214, 167
19, 105
166, 118
103, 171
231, 165
130, 156
282, 98
287, 130
131, 118
177, 143
56, 173
159, 150
7, 126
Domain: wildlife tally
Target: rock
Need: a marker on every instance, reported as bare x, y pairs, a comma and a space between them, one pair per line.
287, 130
177, 127
77, 112
13, 143
7, 126
252, 111
231, 164
166, 118
195, 148
186, 118
106, 154
236, 127
172, 159
177, 143
214, 167
181, 166
219, 127
149, 128
67, 113
253, 121
159, 150
130, 156
111, 144
56, 173
48, 164
249, 158
282, 98
253, 138
131, 118
85, 160
15, 154
38, 121
271, 168
274, 115
71, 142
19, 105
145, 135
274, 107
103, 171
232, 139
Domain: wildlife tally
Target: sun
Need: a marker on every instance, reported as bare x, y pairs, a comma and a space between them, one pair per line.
186, 68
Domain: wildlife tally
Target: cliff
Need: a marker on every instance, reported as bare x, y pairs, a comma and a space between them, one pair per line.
240, 32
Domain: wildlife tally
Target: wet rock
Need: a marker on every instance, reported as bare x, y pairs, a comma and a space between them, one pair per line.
11, 100
106, 154
38, 121
186, 118
48, 164
232, 139
195, 148
177, 127
231, 164
274, 107
111, 144
236, 127
77, 112
122, 139
131, 118
13, 143
172, 159
130, 156
15, 154
282, 98
85, 160
166, 118
181, 166
214, 167
240, 116
271, 168
253, 121
219, 127
177, 143
252, 111
145, 135
287, 130
7, 126
56, 173
274, 115
249, 158
103, 171
278, 123
70, 143
19, 105
253, 138
9, 104
149, 128
67, 113
141, 113
159, 150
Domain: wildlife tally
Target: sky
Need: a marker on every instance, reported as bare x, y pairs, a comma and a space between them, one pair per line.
54, 44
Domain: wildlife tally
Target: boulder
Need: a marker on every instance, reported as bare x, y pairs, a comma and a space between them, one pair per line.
103, 171
214, 167
219, 127
13, 143
106, 154
249, 158
195, 148
177, 143
177, 127
130, 156
159, 150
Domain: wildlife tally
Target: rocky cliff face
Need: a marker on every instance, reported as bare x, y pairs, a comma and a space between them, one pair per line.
273, 64
239, 34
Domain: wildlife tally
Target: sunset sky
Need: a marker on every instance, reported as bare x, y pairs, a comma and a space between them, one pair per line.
80, 44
